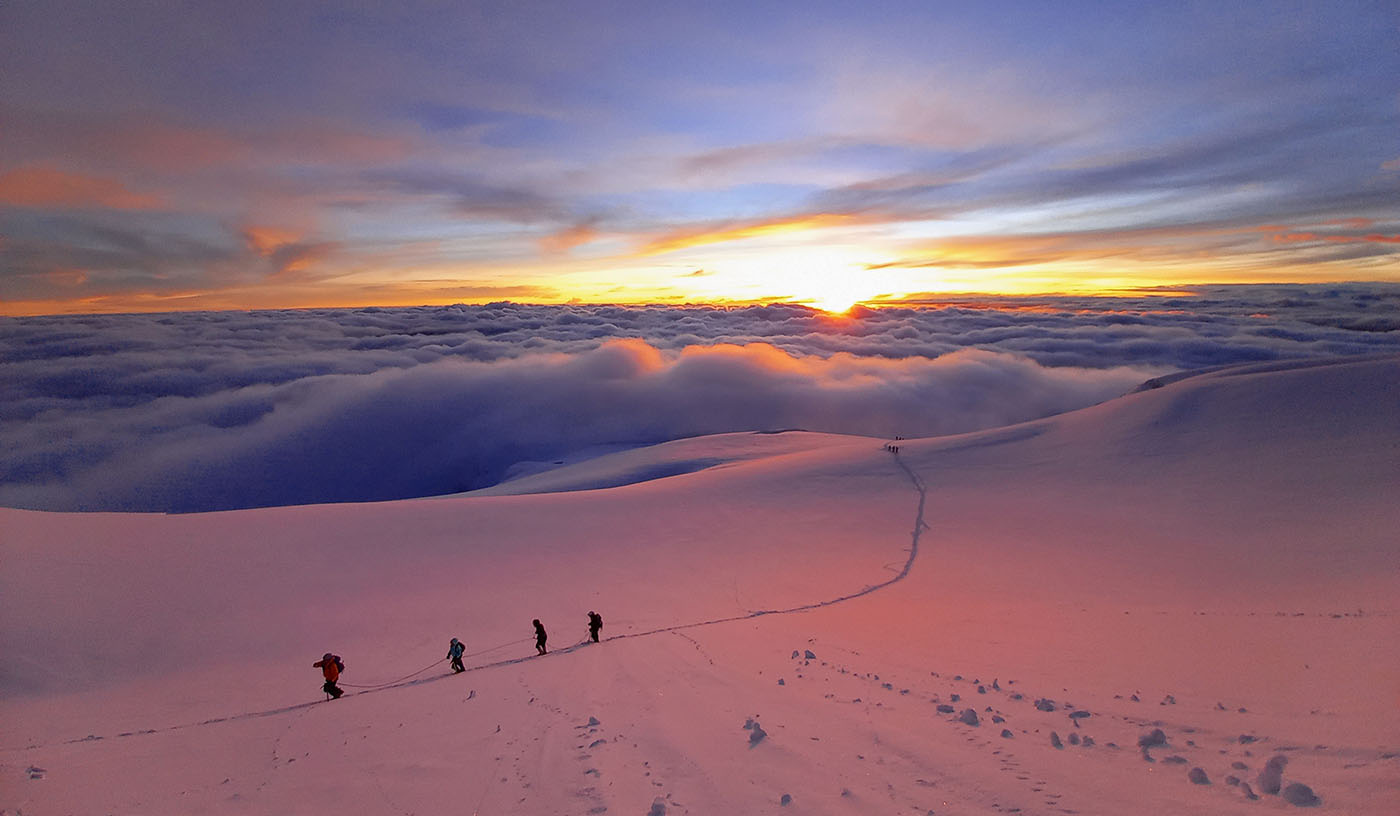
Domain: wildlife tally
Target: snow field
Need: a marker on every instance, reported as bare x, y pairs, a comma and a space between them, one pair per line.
1214, 559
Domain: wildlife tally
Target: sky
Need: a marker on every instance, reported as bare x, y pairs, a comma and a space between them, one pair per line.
159, 156
198, 411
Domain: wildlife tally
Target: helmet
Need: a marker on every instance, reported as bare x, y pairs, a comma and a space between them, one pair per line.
327, 656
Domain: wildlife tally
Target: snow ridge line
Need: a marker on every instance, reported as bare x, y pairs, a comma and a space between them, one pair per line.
919, 527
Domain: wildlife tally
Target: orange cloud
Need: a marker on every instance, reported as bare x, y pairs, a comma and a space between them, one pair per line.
1197, 245
290, 294
1350, 223
732, 231
41, 186
566, 239
66, 278
286, 248
165, 146
267, 240
1370, 238
991, 252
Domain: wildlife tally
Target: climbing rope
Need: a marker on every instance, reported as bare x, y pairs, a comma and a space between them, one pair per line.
494, 648
394, 682
429, 666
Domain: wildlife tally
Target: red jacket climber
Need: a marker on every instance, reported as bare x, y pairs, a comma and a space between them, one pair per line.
331, 667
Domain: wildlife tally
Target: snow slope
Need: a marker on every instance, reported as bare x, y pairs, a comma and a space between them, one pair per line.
1215, 558
668, 459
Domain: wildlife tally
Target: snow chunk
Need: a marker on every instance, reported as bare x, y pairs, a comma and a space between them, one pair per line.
1300, 795
1271, 778
756, 732
1153, 739
968, 717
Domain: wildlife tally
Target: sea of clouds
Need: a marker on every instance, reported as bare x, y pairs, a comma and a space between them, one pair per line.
218, 410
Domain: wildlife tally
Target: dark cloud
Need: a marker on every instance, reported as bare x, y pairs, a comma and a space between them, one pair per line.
472, 195
197, 411
118, 251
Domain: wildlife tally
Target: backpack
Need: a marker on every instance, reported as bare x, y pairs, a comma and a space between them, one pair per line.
339, 665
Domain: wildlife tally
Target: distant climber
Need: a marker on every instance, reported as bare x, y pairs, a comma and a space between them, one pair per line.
454, 651
595, 625
540, 637
331, 667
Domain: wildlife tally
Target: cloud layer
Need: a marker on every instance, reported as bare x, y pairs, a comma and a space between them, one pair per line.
202, 411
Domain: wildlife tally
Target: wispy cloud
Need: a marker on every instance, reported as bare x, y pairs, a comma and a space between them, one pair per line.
51, 188
721, 232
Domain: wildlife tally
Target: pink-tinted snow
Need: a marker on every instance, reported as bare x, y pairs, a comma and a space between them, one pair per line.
1222, 548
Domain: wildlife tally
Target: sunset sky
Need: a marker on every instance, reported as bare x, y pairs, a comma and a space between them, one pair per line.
161, 156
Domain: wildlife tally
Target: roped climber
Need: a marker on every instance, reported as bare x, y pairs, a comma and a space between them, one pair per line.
331, 666
454, 651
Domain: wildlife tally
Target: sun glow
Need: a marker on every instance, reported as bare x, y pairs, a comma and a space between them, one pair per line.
839, 296
831, 278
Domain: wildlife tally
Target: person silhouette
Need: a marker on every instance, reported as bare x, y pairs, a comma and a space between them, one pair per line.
540, 637
595, 624
331, 667
454, 651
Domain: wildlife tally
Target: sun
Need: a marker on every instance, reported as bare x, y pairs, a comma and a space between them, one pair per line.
836, 301
824, 274
832, 281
